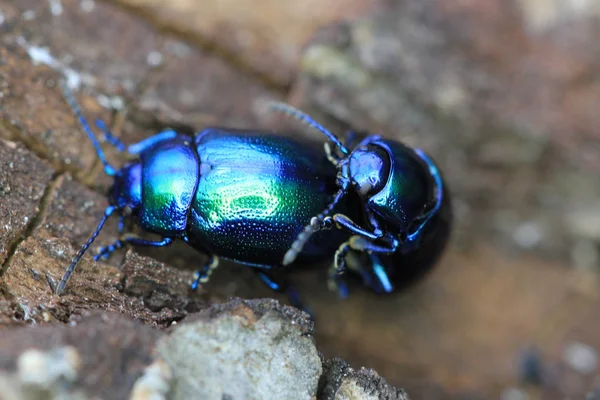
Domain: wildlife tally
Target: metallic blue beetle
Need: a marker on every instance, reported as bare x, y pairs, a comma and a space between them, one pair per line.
404, 202
245, 196
239, 195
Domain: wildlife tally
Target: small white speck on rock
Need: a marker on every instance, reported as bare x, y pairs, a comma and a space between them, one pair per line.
513, 394
581, 357
528, 235
87, 5
45, 368
28, 15
56, 7
154, 58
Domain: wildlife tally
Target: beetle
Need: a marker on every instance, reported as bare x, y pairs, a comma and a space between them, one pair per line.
234, 194
241, 195
401, 191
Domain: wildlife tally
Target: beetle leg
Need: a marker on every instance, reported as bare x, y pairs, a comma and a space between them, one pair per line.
203, 275
435, 173
333, 158
369, 267
145, 144
283, 286
121, 227
357, 243
343, 221
108, 169
383, 280
106, 251
337, 283
136, 148
373, 273
109, 137
58, 289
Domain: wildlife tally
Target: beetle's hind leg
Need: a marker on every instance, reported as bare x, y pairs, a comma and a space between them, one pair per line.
284, 286
203, 275
106, 251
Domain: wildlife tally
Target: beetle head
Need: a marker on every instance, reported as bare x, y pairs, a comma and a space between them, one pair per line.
127, 188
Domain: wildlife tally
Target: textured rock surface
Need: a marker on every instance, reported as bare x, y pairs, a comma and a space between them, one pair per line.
111, 352
47, 222
340, 381
185, 91
266, 40
503, 94
253, 350
33, 114
23, 181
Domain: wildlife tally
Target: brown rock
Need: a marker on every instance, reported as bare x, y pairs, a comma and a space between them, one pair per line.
35, 113
253, 349
199, 89
160, 286
94, 285
124, 50
265, 38
340, 381
495, 97
112, 351
73, 212
23, 180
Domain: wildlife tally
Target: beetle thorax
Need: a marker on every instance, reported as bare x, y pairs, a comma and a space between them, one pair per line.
127, 189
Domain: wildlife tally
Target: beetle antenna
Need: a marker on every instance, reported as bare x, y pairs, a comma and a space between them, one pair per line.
316, 224
306, 119
110, 171
65, 278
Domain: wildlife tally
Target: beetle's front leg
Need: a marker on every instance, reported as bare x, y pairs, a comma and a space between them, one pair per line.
357, 243
344, 222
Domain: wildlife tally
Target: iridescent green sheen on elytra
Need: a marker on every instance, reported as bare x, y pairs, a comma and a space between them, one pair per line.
255, 194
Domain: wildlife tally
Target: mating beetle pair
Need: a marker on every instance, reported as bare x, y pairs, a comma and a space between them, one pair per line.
248, 196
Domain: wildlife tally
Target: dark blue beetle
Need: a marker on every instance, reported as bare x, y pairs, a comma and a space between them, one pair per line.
239, 195
405, 205
246, 196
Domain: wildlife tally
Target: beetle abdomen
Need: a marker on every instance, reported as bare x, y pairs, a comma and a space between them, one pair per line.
255, 194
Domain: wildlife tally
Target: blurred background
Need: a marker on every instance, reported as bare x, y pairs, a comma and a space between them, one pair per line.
504, 94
